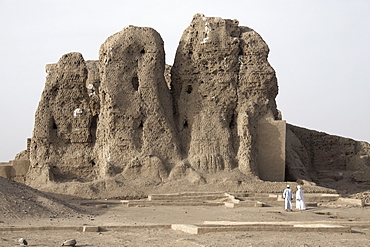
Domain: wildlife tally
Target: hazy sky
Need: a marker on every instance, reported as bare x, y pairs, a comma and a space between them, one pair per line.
320, 50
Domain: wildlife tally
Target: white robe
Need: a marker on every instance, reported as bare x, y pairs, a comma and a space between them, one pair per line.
288, 196
299, 203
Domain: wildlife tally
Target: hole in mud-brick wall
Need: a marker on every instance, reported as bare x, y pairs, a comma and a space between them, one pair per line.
92, 163
232, 122
135, 83
142, 51
189, 89
185, 125
53, 132
93, 128
138, 136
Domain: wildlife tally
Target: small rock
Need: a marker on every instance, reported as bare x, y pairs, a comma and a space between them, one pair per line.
71, 242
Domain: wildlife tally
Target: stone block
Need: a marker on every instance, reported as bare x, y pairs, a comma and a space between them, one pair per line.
192, 229
320, 197
225, 226
90, 229
243, 204
321, 228
352, 201
229, 204
280, 198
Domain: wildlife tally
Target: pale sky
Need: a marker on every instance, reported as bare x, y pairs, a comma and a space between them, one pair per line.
320, 50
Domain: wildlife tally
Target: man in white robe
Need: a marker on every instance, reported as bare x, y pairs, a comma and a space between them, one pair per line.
299, 203
288, 196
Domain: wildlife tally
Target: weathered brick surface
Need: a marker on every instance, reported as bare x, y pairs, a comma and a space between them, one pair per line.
129, 117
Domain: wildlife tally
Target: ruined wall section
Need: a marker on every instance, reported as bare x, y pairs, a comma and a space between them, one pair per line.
92, 85
204, 81
222, 86
327, 156
135, 130
298, 161
97, 119
61, 141
257, 90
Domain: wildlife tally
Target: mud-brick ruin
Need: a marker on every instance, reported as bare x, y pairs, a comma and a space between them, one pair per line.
210, 118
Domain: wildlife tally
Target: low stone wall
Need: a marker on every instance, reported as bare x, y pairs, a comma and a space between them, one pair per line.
15, 170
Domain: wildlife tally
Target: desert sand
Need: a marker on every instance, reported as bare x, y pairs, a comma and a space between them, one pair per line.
26, 211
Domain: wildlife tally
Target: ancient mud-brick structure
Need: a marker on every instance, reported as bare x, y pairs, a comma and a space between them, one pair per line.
136, 132
214, 111
222, 86
313, 155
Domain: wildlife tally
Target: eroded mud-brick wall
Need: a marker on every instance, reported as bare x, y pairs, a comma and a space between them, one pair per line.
214, 110
136, 129
61, 142
317, 155
222, 86
119, 115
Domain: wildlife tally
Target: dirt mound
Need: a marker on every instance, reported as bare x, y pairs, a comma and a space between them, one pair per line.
21, 201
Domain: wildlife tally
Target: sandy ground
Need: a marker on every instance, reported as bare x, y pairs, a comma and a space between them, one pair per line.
118, 215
